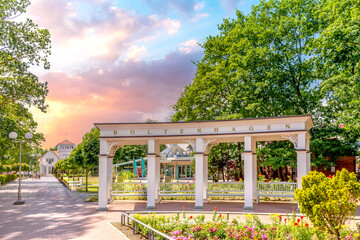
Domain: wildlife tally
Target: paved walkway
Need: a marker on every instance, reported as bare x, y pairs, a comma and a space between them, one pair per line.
51, 211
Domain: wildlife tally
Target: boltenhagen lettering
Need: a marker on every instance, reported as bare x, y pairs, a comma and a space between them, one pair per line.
199, 130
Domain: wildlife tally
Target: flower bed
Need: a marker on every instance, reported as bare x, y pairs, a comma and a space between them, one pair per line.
280, 227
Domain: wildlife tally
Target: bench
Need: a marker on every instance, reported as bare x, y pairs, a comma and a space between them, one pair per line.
76, 184
225, 189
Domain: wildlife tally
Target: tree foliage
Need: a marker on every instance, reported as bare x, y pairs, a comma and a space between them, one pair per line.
286, 57
329, 142
259, 65
22, 45
329, 202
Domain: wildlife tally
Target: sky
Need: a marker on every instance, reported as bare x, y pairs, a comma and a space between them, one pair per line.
122, 60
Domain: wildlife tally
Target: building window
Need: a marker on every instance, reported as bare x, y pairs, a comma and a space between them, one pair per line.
49, 160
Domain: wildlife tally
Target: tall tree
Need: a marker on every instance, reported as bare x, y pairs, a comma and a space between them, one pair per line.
22, 44
259, 65
339, 59
286, 57
91, 150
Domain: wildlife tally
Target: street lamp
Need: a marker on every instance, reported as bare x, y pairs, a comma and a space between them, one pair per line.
38, 163
13, 136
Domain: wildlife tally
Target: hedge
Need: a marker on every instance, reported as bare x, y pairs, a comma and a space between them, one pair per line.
7, 178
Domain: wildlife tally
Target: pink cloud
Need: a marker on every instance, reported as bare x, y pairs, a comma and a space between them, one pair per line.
129, 91
103, 33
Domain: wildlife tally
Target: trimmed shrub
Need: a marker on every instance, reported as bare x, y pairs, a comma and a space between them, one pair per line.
329, 201
7, 178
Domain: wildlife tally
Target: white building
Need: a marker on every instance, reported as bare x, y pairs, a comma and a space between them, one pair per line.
48, 160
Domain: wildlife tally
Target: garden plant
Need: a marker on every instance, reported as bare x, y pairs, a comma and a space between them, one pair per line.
219, 227
329, 202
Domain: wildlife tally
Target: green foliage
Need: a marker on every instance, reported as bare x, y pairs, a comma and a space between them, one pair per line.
226, 156
24, 167
329, 142
277, 154
328, 202
22, 45
286, 57
91, 147
7, 178
197, 227
339, 55
259, 65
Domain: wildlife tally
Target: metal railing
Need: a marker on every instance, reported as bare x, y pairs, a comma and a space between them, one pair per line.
177, 189
135, 224
277, 187
129, 189
225, 189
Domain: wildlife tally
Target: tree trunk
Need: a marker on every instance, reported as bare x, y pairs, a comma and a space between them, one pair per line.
86, 177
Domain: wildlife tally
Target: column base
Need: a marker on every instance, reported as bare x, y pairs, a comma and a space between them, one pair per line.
199, 208
21, 202
248, 208
150, 208
102, 209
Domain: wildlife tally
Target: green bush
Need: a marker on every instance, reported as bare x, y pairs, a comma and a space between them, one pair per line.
7, 178
329, 201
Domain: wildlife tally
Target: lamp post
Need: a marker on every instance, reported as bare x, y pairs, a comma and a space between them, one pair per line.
38, 162
13, 136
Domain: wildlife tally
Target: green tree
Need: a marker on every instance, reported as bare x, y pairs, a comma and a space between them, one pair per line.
277, 155
259, 65
329, 202
338, 59
286, 57
329, 142
90, 150
22, 45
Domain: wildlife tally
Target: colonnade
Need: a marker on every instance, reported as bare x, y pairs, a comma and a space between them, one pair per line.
201, 146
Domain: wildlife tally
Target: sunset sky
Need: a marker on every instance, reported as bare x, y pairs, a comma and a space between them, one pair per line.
120, 61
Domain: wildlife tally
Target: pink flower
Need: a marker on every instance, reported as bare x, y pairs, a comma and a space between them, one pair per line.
177, 232
264, 237
341, 125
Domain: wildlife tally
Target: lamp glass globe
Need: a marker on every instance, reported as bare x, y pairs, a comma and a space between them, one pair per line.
28, 136
13, 135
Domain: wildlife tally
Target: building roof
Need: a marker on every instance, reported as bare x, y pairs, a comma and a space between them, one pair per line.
55, 152
66, 142
174, 151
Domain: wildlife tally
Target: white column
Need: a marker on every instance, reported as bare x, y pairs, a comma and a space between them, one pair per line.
255, 173
153, 173
157, 176
303, 157
151, 181
109, 177
206, 176
103, 179
47, 171
250, 172
199, 181
199, 174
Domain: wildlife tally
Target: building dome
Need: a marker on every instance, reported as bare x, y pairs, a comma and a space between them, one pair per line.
174, 151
